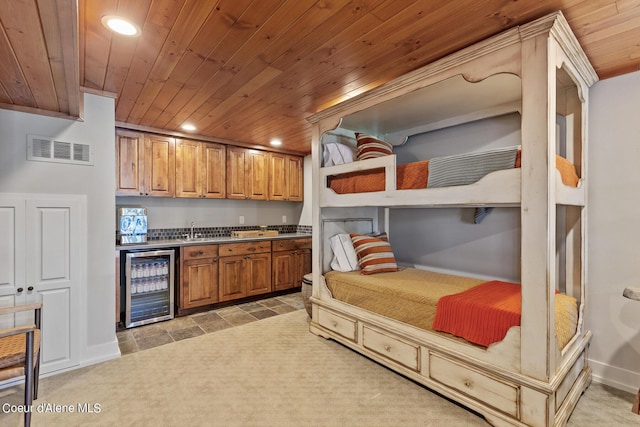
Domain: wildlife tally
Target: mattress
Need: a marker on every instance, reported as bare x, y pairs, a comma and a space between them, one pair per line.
415, 175
411, 296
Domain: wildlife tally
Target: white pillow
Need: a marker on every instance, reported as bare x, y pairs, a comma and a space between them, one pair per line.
344, 255
334, 153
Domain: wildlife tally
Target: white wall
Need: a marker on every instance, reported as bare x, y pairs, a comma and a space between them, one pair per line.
17, 175
614, 230
305, 214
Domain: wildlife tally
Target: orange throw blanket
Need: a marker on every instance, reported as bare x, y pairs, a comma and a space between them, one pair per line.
482, 314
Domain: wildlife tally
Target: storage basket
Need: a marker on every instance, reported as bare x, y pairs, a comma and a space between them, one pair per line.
307, 290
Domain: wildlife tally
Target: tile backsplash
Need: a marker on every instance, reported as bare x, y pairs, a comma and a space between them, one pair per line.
178, 233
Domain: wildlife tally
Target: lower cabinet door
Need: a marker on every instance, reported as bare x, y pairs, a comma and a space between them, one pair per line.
231, 278
284, 270
199, 282
258, 269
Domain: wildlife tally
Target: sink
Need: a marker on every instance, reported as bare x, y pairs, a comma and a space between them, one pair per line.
194, 239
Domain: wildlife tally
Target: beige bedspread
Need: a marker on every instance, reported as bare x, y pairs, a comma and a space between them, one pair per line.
411, 296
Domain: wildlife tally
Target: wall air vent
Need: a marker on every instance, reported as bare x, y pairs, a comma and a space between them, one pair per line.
45, 149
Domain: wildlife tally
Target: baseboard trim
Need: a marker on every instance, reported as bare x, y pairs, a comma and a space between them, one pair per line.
613, 376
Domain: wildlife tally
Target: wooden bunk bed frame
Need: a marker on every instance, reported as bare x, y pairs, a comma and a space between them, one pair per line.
524, 379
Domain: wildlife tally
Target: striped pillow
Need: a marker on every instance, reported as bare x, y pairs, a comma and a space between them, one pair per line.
370, 147
374, 253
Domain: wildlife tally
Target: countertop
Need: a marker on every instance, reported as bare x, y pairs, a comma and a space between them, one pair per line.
156, 244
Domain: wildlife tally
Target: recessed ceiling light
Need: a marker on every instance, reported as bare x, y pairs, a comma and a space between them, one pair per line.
188, 127
276, 142
120, 25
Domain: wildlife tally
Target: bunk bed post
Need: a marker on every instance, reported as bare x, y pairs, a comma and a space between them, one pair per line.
316, 240
538, 206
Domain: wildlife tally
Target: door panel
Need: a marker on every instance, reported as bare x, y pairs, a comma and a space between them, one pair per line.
57, 345
54, 274
54, 243
12, 263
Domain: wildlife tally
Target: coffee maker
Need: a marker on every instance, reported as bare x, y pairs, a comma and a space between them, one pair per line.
132, 225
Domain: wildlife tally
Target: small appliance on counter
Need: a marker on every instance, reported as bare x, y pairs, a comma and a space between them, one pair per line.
132, 225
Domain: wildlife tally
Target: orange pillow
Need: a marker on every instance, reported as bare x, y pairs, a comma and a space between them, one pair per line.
374, 253
369, 147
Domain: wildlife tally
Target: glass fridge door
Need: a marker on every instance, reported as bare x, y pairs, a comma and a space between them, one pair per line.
149, 287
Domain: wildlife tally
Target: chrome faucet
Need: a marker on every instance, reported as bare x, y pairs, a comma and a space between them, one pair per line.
191, 235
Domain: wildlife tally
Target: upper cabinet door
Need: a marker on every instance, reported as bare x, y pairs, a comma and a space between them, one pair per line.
236, 161
257, 173
277, 176
188, 154
294, 178
247, 173
130, 164
285, 177
159, 166
213, 171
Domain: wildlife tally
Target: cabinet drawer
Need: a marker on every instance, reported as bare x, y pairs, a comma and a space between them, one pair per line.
247, 248
336, 323
291, 244
392, 348
489, 390
201, 251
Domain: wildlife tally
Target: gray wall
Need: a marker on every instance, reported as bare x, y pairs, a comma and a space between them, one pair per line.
17, 175
447, 239
178, 213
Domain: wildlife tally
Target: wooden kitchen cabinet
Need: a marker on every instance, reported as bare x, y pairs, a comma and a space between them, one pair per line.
285, 177
199, 276
245, 269
200, 169
129, 164
291, 261
247, 173
145, 164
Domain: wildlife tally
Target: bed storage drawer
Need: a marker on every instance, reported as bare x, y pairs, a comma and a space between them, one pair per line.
336, 323
489, 390
392, 348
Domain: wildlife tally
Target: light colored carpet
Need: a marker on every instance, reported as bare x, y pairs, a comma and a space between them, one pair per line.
268, 373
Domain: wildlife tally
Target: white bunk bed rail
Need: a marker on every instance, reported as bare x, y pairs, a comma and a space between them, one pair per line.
499, 188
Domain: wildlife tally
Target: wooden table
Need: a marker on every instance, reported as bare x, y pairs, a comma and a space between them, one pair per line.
634, 294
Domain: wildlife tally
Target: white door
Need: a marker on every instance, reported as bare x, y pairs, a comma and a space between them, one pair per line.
54, 273
12, 260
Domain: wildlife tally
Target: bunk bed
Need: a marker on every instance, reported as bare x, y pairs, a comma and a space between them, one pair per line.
534, 372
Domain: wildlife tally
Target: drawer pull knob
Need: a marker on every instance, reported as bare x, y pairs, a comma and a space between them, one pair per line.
387, 348
468, 383
201, 252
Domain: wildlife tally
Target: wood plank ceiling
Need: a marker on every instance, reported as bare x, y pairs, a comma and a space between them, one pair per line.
252, 70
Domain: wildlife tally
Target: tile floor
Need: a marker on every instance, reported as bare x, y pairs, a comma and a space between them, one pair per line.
156, 334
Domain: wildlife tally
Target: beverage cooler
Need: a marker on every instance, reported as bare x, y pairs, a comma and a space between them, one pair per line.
148, 278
